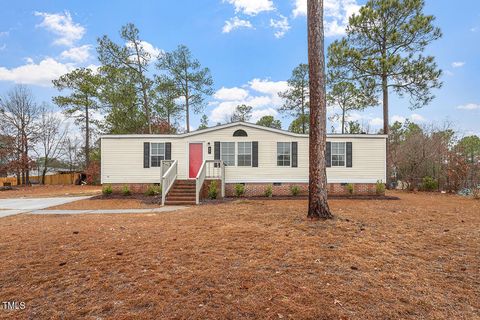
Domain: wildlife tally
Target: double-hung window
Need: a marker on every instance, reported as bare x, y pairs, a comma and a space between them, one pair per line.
244, 154
157, 154
338, 154
227, 154
284, 152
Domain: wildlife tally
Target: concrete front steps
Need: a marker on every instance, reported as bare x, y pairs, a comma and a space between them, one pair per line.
181, 193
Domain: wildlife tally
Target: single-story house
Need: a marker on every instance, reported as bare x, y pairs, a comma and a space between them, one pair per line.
238, 153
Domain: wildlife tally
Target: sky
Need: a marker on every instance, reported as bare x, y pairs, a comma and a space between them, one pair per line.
250, 46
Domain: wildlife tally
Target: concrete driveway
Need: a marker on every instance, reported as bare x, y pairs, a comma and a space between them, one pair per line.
9, 207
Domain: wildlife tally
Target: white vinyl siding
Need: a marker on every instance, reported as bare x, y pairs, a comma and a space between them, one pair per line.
227, 153
244, 154
284, 154
122, 157
157, 154
338, 154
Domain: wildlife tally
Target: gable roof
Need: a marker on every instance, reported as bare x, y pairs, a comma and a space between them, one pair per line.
233, 124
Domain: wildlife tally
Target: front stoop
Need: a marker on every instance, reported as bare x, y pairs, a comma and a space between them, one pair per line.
182, 193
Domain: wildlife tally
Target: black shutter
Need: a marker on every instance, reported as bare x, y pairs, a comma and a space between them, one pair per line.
217, 150
328, 154
146, 154
254, 153
168, 151
294, 154
349, 154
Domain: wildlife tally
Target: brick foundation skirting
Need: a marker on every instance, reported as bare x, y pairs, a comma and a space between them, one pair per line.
258, 189
284, 189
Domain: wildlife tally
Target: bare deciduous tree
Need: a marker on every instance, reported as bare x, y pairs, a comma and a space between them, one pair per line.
72, 152
18, 112
50, 138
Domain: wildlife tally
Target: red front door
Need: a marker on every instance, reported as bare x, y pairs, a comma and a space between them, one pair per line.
195, 159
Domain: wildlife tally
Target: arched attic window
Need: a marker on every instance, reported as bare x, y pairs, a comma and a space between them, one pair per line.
240, 133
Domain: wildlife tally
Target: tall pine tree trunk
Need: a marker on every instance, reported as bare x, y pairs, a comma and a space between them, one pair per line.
386, 127
87, 136
317, 199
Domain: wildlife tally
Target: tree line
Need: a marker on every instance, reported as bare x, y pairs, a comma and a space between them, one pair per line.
29, 130
142, 91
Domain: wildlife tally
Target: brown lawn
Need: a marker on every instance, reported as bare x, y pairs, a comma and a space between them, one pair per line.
414, 258
106, 203
40, 191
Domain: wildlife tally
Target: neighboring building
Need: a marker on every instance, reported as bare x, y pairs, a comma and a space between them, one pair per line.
245, 153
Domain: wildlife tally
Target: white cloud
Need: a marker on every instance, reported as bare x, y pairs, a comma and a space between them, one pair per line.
257, 114
280, 25
40, 74
3, 47
336, 14
234, 93
300, 8
398, 118
251, 7
236, 23
261, 94
268, 86
458, 64
415, 117
376, 122
469, 106
62, 25
148, 47
77, 54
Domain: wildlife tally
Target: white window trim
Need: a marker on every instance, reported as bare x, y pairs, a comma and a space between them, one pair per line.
291, 155
234, 152
152, 155
344, 154
238, 153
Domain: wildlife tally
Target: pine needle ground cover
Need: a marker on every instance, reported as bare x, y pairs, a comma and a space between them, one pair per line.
417, 257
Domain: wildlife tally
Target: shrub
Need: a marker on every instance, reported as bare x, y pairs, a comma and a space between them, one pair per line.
295, 190
153, 190
126, 190
107, 190
268, 192
429, 184
93, 173
213, 190
349, 188
239, 190
380, 188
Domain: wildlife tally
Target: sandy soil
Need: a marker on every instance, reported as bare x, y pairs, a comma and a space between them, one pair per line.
414, 258
39, 191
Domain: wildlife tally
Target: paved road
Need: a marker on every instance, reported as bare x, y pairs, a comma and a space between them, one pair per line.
25, 205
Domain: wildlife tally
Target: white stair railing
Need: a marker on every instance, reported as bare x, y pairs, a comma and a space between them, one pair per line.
210, 169
168, 178
199, 179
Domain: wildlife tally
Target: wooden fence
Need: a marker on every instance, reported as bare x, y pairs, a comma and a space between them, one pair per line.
55, 179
